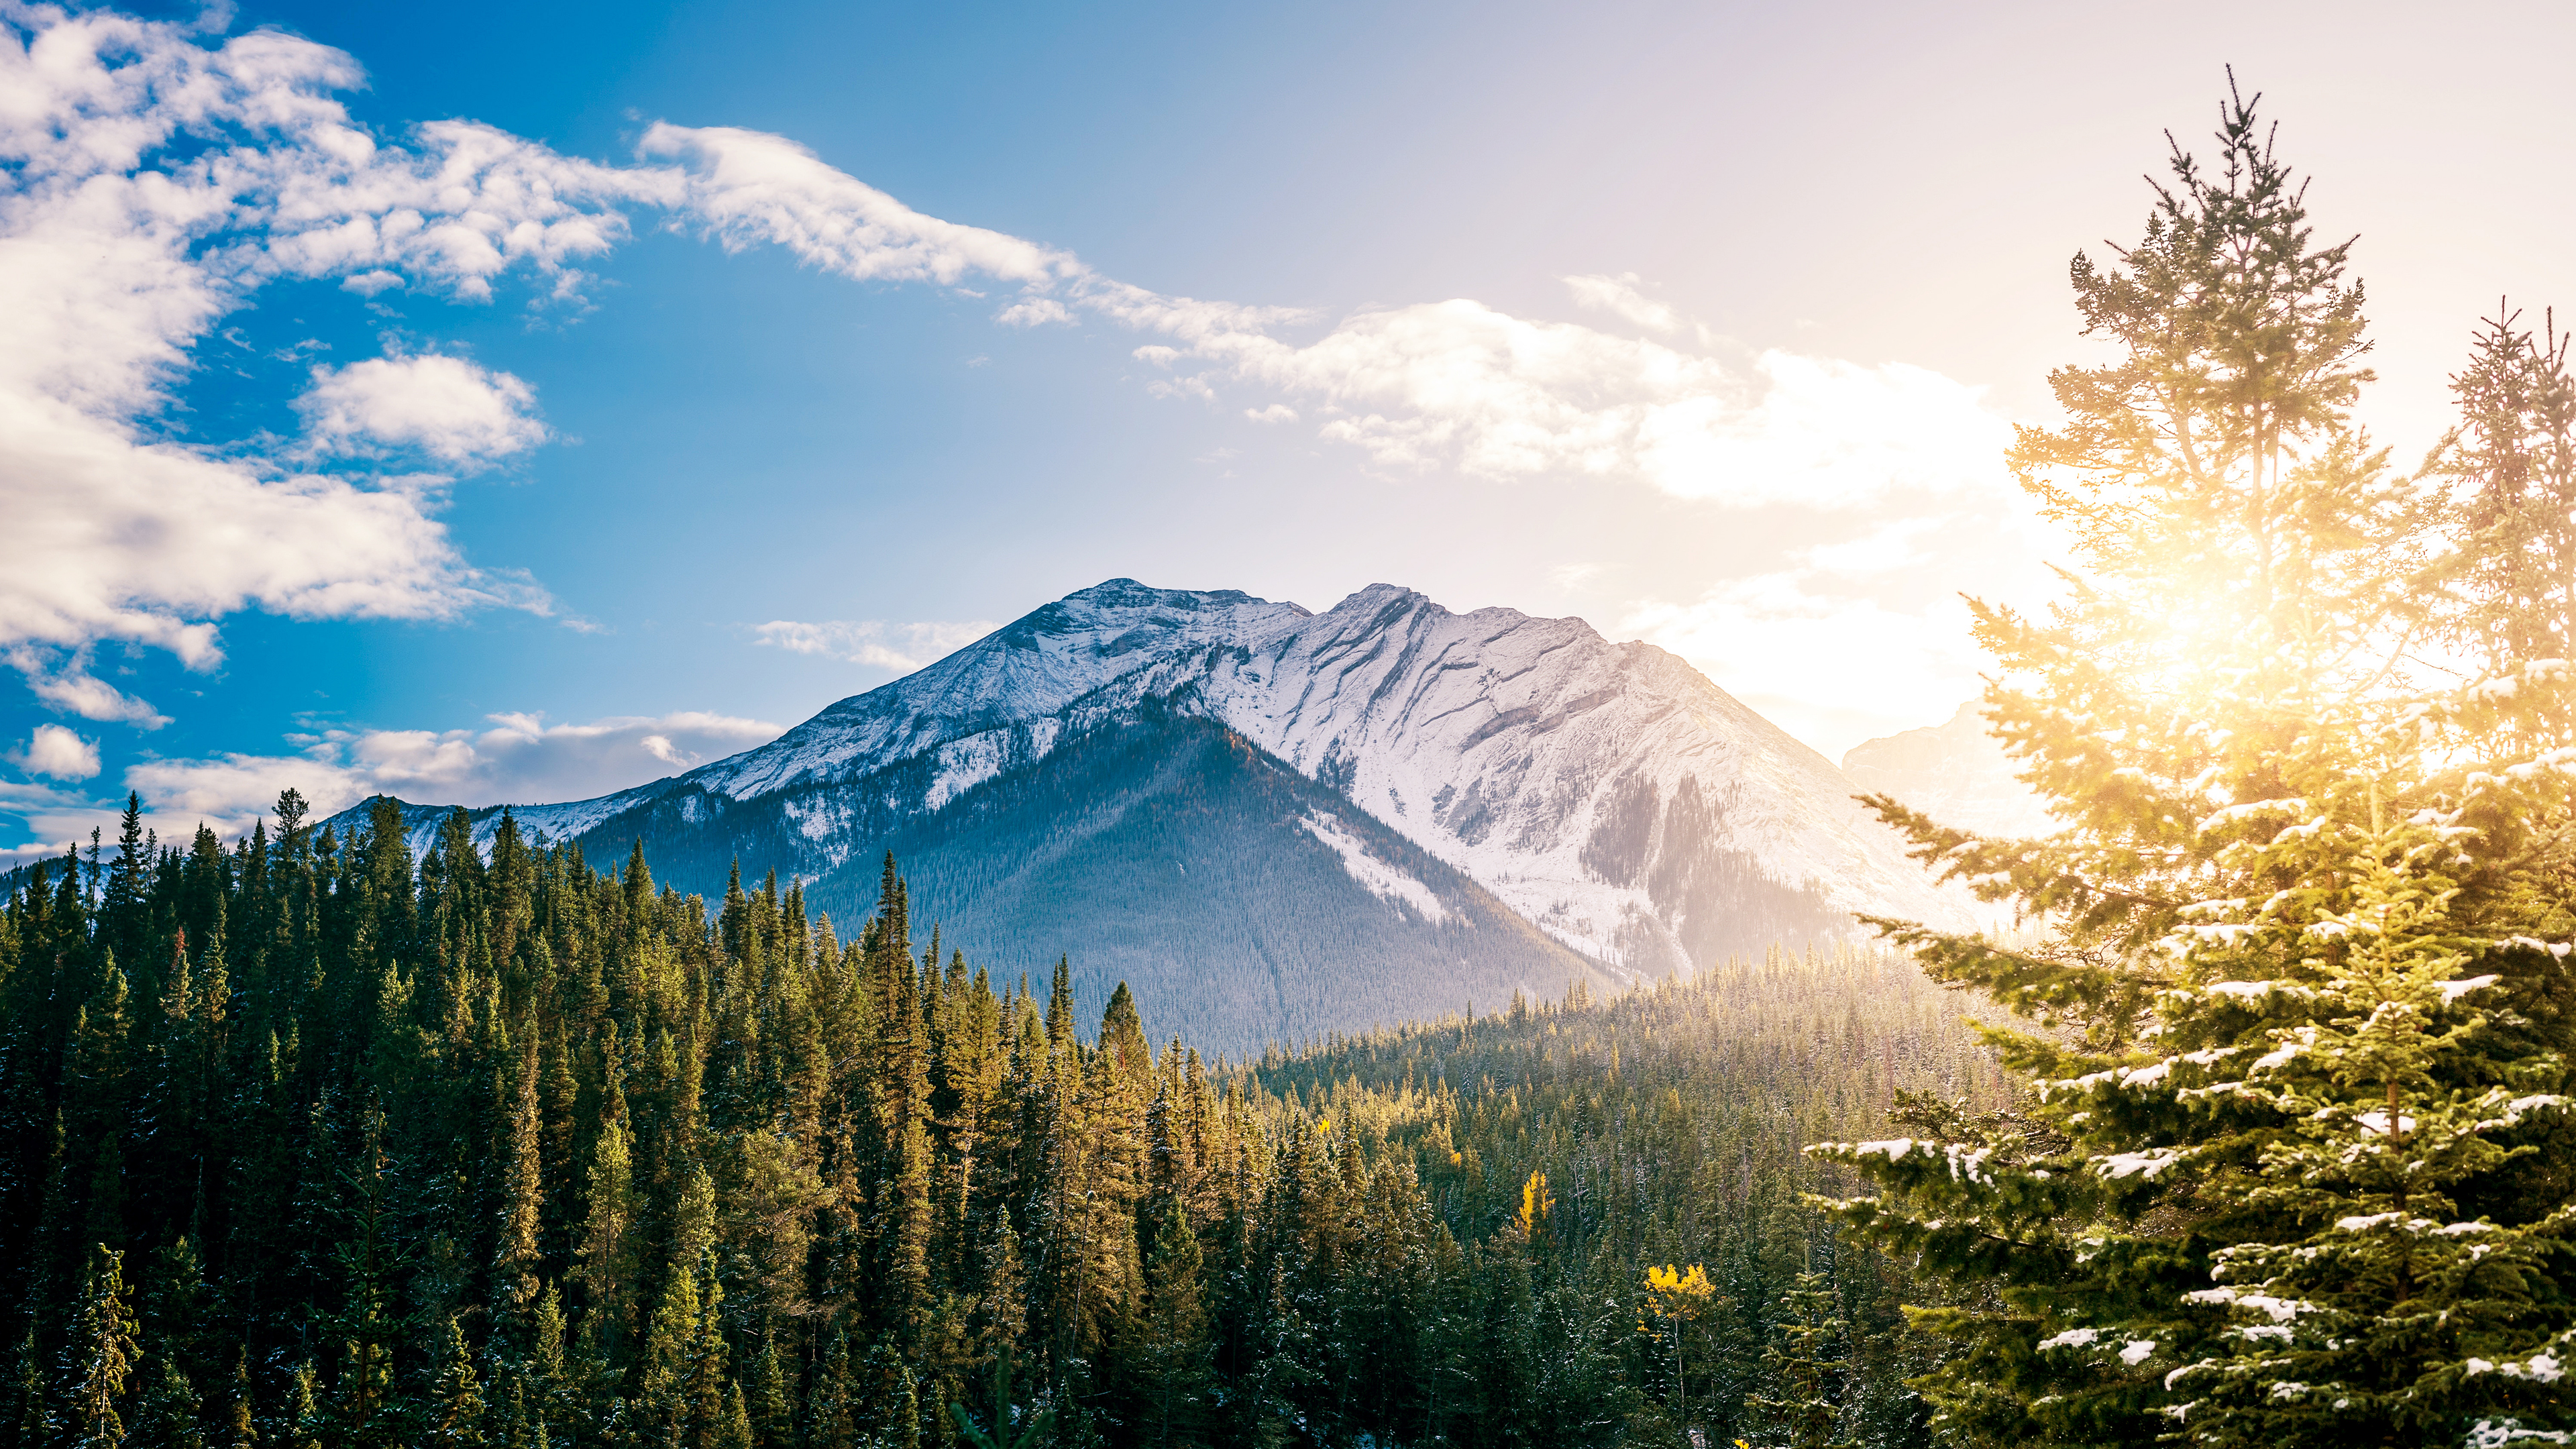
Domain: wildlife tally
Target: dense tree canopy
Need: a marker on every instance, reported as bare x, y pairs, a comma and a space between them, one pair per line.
306, 1141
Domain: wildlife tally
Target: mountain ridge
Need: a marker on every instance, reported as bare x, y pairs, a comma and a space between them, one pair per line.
1606, 793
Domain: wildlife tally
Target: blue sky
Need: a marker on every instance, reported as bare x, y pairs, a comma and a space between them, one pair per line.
1702, 322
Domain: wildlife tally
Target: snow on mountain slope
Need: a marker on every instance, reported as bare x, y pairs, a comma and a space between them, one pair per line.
1607, 792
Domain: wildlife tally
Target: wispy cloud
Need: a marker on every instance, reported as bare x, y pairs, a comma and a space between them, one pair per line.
1619, 295
880, 644
515, 759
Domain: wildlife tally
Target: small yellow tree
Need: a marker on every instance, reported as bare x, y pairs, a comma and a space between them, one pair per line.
1679, 1297
1535, 1203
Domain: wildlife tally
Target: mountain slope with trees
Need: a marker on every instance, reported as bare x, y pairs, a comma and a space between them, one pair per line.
1609, 794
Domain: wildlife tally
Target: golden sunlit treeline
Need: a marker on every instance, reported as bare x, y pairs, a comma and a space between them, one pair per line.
305, 1141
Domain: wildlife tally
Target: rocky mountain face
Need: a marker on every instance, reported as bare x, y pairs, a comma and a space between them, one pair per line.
1273, 821
1955, 772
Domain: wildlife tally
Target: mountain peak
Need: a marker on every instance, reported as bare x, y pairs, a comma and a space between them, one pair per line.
1125, 593
1607, 795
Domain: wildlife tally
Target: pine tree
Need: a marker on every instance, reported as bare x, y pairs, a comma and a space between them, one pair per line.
772, 1411
239, 1427
2512, 567
519, 1255
32, 1414
607, 1248
1803, 1363
1172, 1348
669, 1360
301, 1425
455, 1410
99, 1357
168, 1413
1002, 1427
2285, 940
830, 1418
735, 1431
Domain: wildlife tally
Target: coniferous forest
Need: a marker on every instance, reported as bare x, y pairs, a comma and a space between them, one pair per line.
309, 1142
306, 1140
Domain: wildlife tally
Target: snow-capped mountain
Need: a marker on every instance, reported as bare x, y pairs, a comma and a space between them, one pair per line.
1608, 794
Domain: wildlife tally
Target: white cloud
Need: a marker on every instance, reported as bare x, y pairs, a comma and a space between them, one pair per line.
151, 179
746, 187
1459, 384
65, 684
1893, 545
119, 250
1619, 295
1441, 384
1034, 312
1862, 634
1831, 669
1196, 387
449, 408
902, 647
519, 759
58, 753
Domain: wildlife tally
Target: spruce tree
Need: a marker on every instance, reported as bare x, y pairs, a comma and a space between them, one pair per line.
1171, 1351
455, 1409
99, 1357
1804, 1366
168, 1412
2284, 942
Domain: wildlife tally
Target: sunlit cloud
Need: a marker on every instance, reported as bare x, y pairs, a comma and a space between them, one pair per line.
902, 647
1831, 669
121, 247
1619, 295
1865, 634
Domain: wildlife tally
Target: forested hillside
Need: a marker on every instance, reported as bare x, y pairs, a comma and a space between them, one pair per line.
308, 1141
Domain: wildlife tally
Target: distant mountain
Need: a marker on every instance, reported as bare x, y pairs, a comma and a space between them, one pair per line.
1275, 822
1956, 773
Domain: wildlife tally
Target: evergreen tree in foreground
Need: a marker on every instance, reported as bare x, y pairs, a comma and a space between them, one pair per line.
2294, 1169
